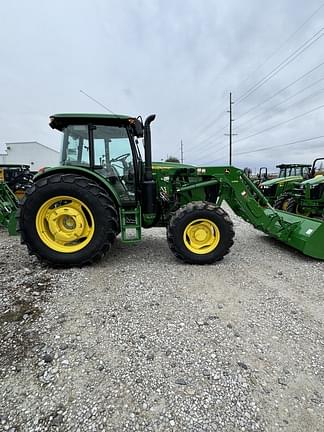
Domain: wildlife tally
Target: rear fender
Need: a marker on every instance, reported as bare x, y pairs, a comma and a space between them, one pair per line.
101, 181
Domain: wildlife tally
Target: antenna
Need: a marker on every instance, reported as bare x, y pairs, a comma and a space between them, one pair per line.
95, 100
181, 151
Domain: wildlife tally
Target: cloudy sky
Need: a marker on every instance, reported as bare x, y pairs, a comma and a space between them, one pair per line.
178, 59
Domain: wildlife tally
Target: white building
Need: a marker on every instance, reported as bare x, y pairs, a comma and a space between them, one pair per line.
31, 153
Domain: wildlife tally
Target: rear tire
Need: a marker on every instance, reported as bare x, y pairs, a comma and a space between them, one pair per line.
200, 233
67, 220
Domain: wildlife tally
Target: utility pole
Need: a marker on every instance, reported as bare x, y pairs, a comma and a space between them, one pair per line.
230, 134
181, 152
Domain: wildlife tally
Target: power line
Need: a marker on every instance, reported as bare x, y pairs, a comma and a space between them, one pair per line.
285, 42
230, 134
203, 156
214, 135
281, 123
210, 123
281, 90
282, 65
280, 145
276, 146
287, 99
213, 122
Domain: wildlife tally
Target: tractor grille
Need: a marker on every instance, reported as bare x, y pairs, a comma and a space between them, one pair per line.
317, 192
270, 191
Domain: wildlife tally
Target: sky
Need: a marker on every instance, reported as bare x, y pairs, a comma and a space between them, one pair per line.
179, 59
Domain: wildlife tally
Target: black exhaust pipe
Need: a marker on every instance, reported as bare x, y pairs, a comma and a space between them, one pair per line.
148, 186
148, 147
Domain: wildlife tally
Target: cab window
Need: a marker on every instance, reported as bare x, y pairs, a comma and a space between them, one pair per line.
75, 146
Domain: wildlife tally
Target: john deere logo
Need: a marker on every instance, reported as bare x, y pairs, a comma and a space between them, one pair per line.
227, 171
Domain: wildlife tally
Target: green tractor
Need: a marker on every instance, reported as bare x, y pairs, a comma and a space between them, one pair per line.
8, 203
73, 212
307, 198
262, 175
289, 175
17, 177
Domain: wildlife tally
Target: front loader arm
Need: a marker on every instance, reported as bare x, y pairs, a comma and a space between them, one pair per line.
245, 199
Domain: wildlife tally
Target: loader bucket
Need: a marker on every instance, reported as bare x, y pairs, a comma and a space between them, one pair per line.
302, 233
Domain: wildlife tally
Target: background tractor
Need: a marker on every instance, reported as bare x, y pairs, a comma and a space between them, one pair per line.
14, 181
307, 198
17, 177
8, 204
73, 212
261, 176
289, 175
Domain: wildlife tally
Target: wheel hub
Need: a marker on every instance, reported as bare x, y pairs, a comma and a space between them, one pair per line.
201, 236
65, 224
69, 223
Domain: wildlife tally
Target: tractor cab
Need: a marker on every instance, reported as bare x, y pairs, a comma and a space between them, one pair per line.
105, 145
293, 170
317, 168
307, 198
289, 175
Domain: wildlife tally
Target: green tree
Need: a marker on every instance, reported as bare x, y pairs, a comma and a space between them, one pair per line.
172, 159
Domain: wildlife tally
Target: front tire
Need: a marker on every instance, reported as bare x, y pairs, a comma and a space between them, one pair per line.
200, 233
67, 220
282, 202
292, 206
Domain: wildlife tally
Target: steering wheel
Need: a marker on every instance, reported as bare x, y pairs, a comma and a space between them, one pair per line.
120, 158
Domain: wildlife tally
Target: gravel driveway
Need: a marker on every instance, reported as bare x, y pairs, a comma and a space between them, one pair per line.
142, 342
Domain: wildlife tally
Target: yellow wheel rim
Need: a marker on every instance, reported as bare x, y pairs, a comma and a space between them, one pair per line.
201, 236
65, 224
20, 194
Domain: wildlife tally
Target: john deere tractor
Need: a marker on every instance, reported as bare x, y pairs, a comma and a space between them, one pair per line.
289, 175
17, 177
73, 212
307, 198
8, 204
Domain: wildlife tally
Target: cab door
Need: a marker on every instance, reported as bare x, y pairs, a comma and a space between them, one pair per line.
114, 160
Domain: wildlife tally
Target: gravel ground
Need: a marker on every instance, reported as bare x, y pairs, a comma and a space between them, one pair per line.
142, 342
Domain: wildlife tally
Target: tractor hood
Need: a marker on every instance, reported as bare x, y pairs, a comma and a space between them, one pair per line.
156, 166
314, 181
281, 180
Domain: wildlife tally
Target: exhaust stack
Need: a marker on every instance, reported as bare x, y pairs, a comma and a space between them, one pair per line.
148, 186
148, 147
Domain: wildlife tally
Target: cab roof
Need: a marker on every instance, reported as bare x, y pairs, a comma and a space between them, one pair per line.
292, 165
60, 121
